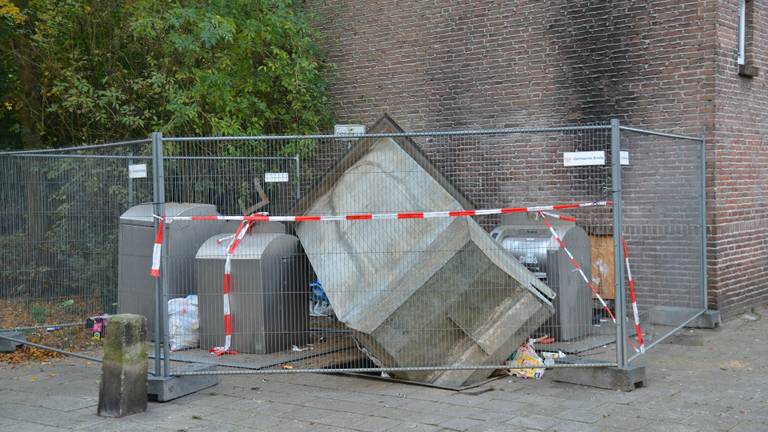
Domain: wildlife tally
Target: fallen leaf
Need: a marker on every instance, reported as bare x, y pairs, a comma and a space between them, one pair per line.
735, 364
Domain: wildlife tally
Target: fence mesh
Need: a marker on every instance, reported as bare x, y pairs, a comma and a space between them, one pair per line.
58, 234
438, 300
406, 295
663, 216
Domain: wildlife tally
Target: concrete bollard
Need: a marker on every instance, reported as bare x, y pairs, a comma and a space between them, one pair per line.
123, 389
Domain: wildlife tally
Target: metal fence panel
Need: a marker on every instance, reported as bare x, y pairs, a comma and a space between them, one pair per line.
442, 300
406, 300
664, 217
58, 228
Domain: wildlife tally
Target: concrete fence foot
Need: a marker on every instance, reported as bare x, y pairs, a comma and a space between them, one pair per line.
123, 389
674, 316
9, 346
613, 378
164, 389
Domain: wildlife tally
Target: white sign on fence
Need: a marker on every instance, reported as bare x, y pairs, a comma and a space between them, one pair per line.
624, 158
137, 171
275, 177
348, 129
587, 158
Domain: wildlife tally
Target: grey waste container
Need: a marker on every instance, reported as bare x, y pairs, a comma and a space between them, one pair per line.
269, 297
135, 287
538, 250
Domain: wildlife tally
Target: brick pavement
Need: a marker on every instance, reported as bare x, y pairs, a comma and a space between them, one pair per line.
719, 386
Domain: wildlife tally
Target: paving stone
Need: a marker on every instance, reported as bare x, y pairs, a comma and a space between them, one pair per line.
533, 421
357, 421
506, 406
68, 403
34, 427
750, 427
7, 424
460, 424
687, 390
582, 416
416, 427
571, 426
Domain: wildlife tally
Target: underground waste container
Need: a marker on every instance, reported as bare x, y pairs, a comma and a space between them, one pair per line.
181, 240
536, 248
269, 294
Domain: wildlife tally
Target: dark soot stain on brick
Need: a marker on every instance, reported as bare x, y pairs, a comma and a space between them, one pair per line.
593, 40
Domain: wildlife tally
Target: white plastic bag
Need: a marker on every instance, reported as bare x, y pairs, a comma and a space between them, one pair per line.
183, 323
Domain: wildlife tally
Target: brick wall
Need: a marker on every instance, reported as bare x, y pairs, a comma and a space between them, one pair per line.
665, 65
739, 176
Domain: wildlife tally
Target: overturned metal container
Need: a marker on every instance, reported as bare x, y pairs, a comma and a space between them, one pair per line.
420, 293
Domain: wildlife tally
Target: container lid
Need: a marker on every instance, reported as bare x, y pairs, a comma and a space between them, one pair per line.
540, 235
252, 246
142, 214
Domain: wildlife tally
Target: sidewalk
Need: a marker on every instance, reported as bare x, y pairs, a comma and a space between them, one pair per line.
720, 386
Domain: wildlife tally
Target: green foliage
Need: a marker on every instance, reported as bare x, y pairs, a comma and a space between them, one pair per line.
98, 70
85, 71
39, 313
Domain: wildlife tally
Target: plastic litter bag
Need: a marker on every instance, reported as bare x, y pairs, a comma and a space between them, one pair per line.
551, 357
183, 323
526, 356
319, 305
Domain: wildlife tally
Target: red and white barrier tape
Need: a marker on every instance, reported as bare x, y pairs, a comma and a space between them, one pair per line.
559, 216
239, 234
576, 265
157, 249
401, 215
246, 222
638, 329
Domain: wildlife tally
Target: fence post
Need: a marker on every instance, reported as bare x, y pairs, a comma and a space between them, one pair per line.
298, 178
618, 231
703, 203
158, 199
130, 181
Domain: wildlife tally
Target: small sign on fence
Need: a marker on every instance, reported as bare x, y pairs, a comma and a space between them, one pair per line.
275, 177
584, 158
349, 129
624, 158
588, 158
137, 171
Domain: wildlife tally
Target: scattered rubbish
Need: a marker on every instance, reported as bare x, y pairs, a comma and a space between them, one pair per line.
287, 366
183, 323
543, 340
371, 357
53, 328
306, 348
550, 357
97, 326
67, 303
749, 317
526, 356
734, 364
319, 305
